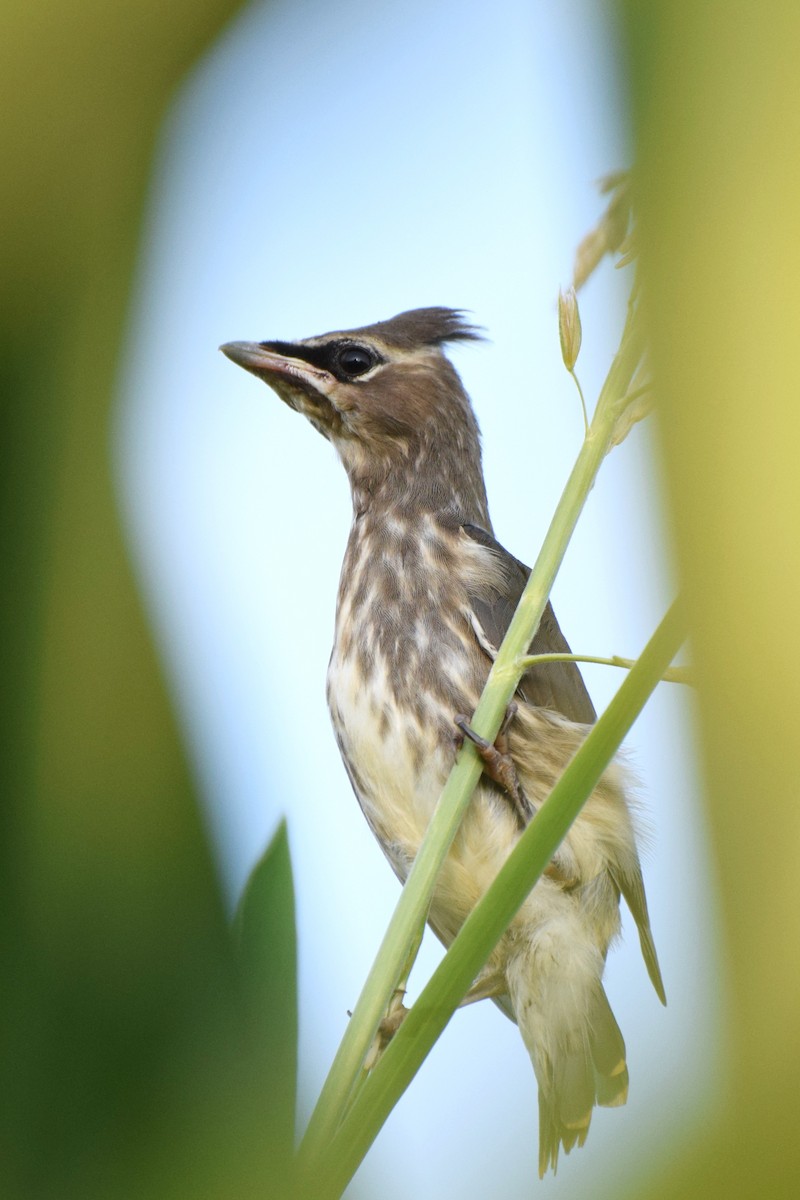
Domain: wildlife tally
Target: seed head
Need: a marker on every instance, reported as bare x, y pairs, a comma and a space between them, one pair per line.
569, 327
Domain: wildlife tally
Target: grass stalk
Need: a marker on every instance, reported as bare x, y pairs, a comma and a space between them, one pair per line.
671, 675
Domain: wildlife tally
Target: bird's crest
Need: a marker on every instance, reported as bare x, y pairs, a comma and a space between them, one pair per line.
423, 327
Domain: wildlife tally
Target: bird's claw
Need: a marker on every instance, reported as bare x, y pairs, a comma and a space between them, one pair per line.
388, 1027
490, 983
498, 763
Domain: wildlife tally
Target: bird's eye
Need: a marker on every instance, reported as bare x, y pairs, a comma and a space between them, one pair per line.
355, 360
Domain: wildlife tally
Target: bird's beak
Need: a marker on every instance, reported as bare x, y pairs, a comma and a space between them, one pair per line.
304, 387
272, 367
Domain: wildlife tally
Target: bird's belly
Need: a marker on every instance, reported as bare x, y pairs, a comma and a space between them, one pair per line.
394, 753
398, 757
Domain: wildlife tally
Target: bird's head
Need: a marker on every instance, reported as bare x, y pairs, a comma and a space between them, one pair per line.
383, 394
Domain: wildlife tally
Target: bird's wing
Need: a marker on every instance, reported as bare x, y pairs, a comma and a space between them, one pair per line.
558, 686
631, 885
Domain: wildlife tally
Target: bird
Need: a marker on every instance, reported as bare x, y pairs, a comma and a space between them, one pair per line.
425, 597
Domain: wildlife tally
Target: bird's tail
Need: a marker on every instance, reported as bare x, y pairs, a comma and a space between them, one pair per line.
577, 1051
592, 1071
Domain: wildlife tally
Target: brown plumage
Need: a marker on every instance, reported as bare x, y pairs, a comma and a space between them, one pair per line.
425, 598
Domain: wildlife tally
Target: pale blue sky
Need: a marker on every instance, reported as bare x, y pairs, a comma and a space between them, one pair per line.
328, 165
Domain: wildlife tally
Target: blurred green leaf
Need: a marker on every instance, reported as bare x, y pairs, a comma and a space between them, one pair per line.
129, 1064
267, 945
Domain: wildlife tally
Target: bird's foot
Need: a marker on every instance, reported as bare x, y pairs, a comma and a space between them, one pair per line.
488, 985
395, 1015
498, 763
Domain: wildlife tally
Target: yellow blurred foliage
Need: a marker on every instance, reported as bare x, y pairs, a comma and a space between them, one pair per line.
716, 105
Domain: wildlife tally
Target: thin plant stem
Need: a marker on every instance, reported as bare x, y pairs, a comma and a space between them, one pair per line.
671, 675
583, 403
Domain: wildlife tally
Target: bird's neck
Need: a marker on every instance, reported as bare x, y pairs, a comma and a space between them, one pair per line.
402, 589
426, 483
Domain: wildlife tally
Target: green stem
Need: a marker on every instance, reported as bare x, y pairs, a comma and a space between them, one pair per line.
396, 949
583, 403
492, 915
671, 675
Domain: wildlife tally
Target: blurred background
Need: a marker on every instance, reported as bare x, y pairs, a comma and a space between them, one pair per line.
173, 534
